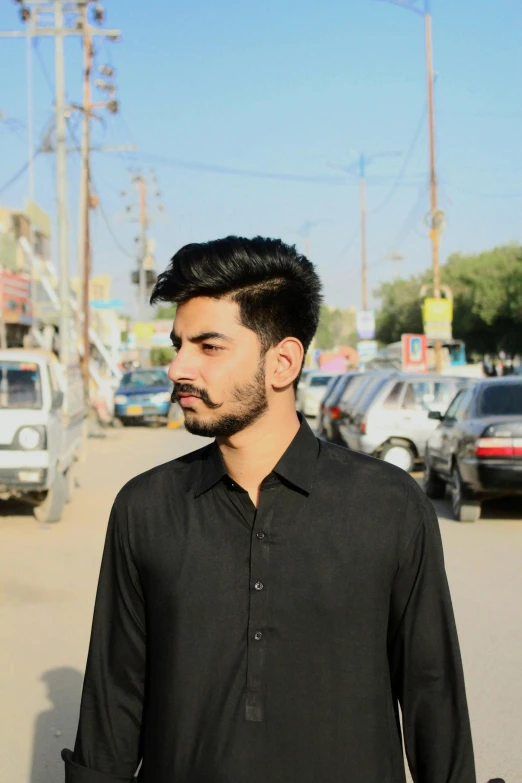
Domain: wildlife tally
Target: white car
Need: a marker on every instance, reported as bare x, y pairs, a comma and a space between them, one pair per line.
310, 391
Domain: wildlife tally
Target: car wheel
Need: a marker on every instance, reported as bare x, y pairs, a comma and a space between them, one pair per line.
432, 484
400, 455
50, 510
464, 509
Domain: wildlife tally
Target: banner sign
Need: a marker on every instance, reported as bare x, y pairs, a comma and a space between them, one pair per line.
437, 316
365, 324
367, 349
15, 298
414, 353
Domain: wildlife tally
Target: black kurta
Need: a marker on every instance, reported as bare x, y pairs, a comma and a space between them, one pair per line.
235, 645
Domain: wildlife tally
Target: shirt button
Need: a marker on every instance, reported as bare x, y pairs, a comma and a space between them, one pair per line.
259, 585
258, 636
260, 536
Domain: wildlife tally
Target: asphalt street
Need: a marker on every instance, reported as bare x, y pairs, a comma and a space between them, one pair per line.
48, 578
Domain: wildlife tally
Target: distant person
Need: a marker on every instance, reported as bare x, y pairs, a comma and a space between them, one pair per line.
267, 602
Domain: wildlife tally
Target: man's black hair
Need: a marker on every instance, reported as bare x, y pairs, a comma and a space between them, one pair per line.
277, 289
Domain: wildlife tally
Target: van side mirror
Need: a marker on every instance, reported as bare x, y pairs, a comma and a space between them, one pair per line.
437, 415
57, 400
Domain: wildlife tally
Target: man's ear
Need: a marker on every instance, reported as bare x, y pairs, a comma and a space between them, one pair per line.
285, 362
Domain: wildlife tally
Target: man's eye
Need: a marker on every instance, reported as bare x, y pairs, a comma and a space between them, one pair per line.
211, 348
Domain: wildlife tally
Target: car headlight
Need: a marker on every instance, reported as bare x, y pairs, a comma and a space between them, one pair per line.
162, 397
120, 399
31, 438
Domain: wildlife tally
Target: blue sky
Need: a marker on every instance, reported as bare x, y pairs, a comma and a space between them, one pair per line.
288, 87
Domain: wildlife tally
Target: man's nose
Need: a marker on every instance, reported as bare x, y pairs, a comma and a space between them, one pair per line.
181, 369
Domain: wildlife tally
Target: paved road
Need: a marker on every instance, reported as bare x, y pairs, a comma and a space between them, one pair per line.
48, 576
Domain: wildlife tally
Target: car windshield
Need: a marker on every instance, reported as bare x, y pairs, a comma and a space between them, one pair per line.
429, 395
320, 380
502, 400
20, 385
145, 379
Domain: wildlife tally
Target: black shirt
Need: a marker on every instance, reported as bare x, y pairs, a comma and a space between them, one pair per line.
235, 645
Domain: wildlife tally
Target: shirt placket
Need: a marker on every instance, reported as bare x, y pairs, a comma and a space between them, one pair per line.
258, 619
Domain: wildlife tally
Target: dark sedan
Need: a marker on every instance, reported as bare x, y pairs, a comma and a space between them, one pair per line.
477, 449
143, 396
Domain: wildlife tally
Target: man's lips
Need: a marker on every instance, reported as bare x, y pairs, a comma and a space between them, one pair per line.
187, 399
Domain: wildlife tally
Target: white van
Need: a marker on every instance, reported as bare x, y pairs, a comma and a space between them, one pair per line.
42, 415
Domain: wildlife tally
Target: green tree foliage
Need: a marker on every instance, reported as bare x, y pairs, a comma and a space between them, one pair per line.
160, 357
487, 291
166, 313
336, 327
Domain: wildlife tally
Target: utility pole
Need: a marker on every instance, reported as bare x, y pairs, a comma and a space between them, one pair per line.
141, 184
364, 265
435, 222
57, 30
436, 217
395, 258
84, 233
359, 168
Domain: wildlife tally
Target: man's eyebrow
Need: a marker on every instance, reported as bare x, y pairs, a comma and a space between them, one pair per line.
200, 338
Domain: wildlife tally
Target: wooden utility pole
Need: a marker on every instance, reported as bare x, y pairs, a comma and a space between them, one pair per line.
364, 267
84, 236
435, 224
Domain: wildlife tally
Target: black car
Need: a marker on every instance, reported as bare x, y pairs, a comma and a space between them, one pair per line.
329, 412
477, 449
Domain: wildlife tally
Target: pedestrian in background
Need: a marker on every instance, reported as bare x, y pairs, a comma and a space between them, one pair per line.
268, 603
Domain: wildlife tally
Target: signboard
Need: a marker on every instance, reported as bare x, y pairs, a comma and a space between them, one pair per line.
437, 316
143, 333
15, 298
414, 353
109, 304
367, 349
365, 324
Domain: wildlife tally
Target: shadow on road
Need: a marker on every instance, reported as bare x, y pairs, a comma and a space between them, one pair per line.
11, 508
504, 509
56, 728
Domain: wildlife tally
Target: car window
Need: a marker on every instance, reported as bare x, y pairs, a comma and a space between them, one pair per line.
320, 380
353, 387
392, 400
428, 395
451, 413
501, 400
145, 379
464, 404
20, 385
332, 386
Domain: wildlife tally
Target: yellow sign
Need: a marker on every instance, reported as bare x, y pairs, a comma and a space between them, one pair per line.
437, 315
143, 332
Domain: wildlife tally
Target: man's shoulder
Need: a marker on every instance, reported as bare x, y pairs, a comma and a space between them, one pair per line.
177, 473
340, 463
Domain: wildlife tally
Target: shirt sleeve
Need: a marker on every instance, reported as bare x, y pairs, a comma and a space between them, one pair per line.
108, 738
425, 661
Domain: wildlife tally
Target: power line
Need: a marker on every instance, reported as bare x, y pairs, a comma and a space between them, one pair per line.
402, 170
110, 229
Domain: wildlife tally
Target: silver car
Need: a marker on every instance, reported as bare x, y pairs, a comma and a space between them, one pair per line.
393, 424
311, 390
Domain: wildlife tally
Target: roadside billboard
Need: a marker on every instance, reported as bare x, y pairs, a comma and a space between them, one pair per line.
15, 298
365, 324
437, 317
414, 353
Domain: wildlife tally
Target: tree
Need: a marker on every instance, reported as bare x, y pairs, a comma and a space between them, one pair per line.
336, 327
487, 293
166, 313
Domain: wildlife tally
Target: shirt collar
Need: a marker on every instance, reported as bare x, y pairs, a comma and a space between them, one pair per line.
296, 466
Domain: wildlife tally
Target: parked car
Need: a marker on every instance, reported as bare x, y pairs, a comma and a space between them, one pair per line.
42, 430
333, 393
477, 448
310, 391
143, 396
353, 395
393, 423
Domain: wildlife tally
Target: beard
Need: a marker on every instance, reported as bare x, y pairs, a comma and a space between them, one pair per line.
250, 401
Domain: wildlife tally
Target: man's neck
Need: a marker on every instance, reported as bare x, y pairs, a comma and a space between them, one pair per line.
253, 453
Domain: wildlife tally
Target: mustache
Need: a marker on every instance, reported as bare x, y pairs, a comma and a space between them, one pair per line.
187, 388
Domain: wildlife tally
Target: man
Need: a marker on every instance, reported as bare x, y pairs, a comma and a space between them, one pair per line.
266, 603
